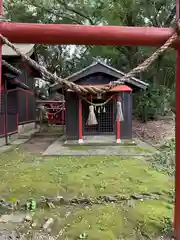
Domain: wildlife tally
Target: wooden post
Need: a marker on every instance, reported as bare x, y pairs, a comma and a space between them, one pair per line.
80, 122
5, 112
27, 107
177, 179
1, 14
118, 125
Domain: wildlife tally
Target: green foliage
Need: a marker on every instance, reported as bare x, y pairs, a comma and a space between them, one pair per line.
164, 160
173, 99
31, 205
151, 104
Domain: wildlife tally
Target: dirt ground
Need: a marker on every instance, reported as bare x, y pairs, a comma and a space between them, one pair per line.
37, 145
154, 132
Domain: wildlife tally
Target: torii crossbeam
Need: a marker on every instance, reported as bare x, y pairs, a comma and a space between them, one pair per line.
102, 35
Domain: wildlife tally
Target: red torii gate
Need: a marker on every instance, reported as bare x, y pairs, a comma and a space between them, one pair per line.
102, 35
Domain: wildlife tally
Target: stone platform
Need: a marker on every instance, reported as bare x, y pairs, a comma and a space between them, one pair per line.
95, 148
98, 140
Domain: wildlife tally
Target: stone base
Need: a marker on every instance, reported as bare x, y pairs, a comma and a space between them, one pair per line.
101, 140
80, 141
24, 130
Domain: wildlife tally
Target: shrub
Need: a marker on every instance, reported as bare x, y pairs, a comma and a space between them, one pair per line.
164, 160
152, 103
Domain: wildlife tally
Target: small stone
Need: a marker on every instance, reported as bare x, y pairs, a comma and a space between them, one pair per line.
74, 201
48, 223
33, 225
12, 218
9, 205
110, 199
123, 198
68, 214
28, 218
2, 200
137, 197
84, 201
74, 204
3, 220
60, 198
83, 236
48, 230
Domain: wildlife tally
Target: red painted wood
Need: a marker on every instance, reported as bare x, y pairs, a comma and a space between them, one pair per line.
27, 67
1, 8
49, 101
1, 13
80, 119
27, 91
83, 34
118, 124
17, 119
120, 88
4, 124
27, 108
0, 65
25, 122
177, 179
9, 133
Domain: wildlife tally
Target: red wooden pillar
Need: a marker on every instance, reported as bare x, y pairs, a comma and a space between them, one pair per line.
80, 121
177, 179
1, 14
63, 114
1, 64
118, 125
27, 107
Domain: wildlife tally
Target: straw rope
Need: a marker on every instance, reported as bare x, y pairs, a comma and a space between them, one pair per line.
13, 69
98, 104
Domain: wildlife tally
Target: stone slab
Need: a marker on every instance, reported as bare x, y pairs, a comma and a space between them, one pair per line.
20, 141
59, 149
5, 148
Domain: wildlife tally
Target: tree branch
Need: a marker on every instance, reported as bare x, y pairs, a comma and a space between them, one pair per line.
54, 13
81, 14
170, 17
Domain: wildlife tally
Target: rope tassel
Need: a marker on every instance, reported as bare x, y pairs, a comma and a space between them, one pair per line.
119, 114
92, 117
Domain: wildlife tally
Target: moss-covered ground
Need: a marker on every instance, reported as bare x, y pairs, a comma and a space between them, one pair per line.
23, 175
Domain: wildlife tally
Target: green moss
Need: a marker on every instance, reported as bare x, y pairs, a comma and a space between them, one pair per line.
140, 149
143, 221
80, 147
132, 149
150, 216
24, 175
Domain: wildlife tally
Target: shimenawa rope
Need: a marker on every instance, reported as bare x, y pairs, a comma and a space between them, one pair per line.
98, 104
13, 69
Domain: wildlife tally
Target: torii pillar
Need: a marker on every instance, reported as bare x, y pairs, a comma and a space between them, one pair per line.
177, 180
1, 15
